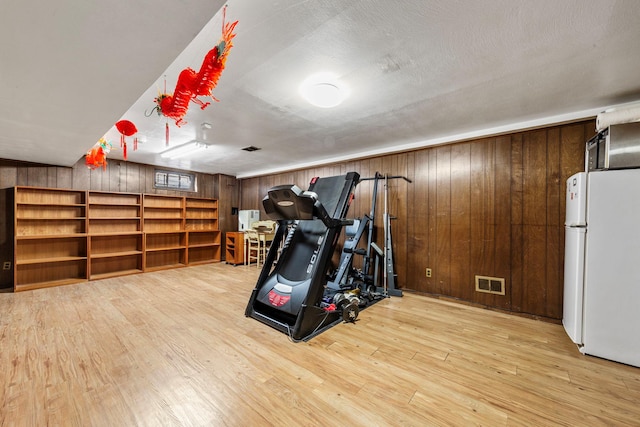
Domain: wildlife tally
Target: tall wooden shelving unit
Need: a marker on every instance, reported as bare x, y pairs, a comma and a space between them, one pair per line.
201, 224
68, 236
115, 234
50, 238
165, 236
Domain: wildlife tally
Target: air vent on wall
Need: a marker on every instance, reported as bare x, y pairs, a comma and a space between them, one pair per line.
251, 148
490, 285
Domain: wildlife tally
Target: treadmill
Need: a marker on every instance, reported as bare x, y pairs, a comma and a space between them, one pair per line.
289, 292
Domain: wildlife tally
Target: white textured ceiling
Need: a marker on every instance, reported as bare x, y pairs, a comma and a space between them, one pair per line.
420, 72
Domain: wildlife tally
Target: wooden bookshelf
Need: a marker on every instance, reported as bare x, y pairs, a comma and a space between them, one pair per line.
115, 234
165, 250
114, 213
234, 248
163, 226
163, 213
203, 236
201, 214
50, 238
68, 236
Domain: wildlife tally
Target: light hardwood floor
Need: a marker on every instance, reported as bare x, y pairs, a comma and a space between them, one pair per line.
173, 348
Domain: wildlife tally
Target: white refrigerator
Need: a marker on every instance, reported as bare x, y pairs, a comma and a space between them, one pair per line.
246, 218
601, 307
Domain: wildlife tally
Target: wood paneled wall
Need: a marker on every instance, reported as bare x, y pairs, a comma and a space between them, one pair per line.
120, 176
492, 207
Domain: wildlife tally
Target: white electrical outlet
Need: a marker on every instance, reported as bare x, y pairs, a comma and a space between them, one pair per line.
6, 265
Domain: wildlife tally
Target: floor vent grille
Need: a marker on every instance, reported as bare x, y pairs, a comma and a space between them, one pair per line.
490, 285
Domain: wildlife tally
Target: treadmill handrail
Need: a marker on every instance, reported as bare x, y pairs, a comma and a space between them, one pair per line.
321, 213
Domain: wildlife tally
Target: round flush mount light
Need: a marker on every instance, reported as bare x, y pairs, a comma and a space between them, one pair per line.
323, 90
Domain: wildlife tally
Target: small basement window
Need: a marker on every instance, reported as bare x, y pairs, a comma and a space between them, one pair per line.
171, 180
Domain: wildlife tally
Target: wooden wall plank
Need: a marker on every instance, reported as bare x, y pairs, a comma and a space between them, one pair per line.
555, 223
64, 177
432, 221
517, 261
8, 174
489, 230
228, 197
23, 176
113, 178
95, 178
534, 216
413, 229
534, 283
149, 179
489, 205
443, 221
81, 176
534, 208
555, 184
419, 258
481, 197
502, 204
52, 176
461, 286
37, 175
398, 189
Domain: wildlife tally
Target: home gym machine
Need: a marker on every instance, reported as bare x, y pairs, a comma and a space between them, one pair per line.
389, 282
295, 292
349, 278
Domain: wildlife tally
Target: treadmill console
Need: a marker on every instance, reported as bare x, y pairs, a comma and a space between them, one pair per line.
286, 202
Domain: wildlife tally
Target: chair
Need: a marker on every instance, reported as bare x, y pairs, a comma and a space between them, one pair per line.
266, 232
252, 247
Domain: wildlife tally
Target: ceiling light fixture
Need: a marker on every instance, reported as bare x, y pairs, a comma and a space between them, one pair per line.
183, 150
323, 90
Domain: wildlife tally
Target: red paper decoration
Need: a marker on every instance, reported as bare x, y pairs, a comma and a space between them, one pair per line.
126, 128
97, 156
192, 84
